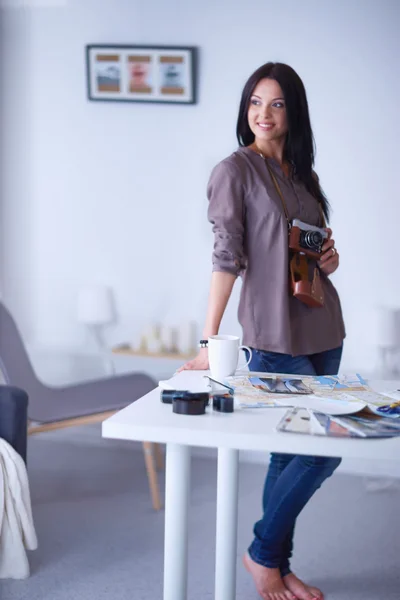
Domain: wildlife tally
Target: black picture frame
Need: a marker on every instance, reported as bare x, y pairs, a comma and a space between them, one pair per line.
141, 73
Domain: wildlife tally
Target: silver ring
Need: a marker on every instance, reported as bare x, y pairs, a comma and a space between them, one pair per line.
333, 251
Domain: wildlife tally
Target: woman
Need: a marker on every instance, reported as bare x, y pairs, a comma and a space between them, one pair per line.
246, 191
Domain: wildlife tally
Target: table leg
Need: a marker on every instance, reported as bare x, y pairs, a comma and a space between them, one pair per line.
177, 487
227, 509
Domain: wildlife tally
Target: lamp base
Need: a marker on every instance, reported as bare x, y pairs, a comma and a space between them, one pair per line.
96, 333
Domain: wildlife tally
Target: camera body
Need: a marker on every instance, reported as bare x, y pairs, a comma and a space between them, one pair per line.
307, 239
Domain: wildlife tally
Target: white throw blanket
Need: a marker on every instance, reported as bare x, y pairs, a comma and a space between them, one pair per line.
17, 531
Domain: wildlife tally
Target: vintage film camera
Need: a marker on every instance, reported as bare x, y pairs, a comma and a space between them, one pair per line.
307, 239
185, 402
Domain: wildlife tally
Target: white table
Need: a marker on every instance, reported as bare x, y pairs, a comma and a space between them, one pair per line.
246, 429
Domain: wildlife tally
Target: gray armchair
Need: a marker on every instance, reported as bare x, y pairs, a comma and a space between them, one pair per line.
52, 407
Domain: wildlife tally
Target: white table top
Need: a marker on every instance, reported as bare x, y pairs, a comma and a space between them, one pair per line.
148, 419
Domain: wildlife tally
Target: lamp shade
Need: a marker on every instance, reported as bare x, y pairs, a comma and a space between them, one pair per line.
96, 305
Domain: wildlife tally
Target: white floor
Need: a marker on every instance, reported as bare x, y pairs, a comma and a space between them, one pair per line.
99, 538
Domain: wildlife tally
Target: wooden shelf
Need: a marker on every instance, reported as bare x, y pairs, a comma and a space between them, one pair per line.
164, 355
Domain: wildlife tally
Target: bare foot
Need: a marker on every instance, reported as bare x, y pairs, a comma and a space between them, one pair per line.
300, 589
268, 582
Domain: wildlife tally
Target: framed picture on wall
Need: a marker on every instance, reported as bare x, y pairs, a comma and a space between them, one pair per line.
141, 73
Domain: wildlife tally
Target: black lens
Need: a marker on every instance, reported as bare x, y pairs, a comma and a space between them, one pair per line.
313, 239
185, 406
223, 403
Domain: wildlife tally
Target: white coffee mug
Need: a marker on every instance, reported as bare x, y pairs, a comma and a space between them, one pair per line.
223, 355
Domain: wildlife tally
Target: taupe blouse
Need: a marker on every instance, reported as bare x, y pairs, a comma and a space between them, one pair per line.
251, 240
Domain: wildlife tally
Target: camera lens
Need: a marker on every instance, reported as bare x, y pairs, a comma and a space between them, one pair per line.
223, 403
313, 239
188, 406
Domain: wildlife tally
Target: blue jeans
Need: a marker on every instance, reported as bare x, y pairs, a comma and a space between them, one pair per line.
291, 480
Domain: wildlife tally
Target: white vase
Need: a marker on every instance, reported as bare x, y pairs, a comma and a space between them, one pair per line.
187, 337
387, 338
154, 345
168, 338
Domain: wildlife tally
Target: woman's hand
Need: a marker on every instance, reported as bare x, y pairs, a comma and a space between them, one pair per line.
200, 363
329, 260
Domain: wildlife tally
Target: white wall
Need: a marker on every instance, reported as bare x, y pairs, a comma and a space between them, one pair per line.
115, 192
16, 193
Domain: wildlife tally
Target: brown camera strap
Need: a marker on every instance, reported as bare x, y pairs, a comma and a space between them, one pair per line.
279, 192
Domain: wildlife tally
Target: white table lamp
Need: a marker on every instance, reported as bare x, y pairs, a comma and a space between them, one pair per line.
96, 309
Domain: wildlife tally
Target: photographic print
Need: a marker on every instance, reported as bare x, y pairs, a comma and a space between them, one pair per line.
141, 73
172, 71
108, 73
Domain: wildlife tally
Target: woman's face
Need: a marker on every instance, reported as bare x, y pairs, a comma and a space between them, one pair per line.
267, 112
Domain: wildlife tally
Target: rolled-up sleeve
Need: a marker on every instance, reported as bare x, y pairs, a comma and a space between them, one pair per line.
226, 214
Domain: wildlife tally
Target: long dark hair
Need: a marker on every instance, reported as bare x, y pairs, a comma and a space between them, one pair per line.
299, 149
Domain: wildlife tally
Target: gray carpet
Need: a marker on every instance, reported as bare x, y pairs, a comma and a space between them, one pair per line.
100, 539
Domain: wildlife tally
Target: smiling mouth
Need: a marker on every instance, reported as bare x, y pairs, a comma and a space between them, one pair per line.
265, 126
